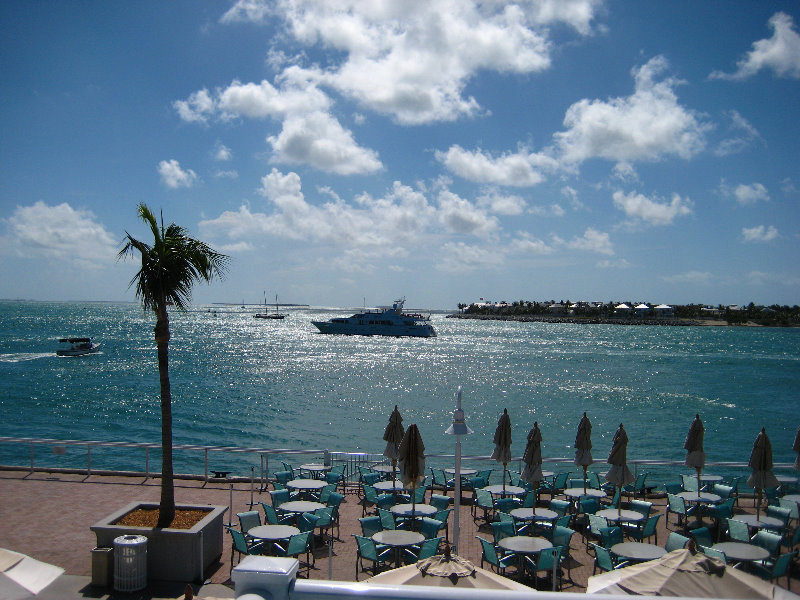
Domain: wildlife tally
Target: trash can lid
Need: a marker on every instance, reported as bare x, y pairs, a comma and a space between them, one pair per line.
130, 540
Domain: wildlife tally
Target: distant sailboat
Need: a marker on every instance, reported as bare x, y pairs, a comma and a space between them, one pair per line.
268, 315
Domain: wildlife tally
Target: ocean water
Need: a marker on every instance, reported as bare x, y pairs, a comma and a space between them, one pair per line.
240, 381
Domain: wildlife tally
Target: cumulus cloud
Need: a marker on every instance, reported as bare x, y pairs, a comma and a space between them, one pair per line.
461, 216
527, 244
592, 241
502, 204
780, 53
458, 257
759, 233
690, 277
640, 207
197, 108
648, 125
222, 153
743, 134
518, 169
173, 176
62, 233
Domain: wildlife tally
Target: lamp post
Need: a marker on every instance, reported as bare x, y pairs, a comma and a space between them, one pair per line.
458, 428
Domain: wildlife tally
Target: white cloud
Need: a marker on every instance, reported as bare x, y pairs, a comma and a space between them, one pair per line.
750, 194
227, 174
759, 233
173, 176
254, 11
223, 153
624, 171
461, 216
553, 210
619, 263
458, 257
592, 241
502, 204
519, 169
639, 206
319, 140
527, 244
647, 125
764, 278
744, 134
780, 53
60, 232
199, 107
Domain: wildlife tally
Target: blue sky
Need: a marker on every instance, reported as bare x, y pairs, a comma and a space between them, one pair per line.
443, 150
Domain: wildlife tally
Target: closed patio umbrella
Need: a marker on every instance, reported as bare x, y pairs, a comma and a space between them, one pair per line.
502, 443
796, 448
619, 474
393, 435
532, 472
695, 456
583, 446
411, 459
761, 463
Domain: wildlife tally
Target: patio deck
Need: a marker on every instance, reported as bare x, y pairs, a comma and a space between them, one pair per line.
47, 516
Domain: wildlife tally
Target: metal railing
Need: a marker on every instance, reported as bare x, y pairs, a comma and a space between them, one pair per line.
37, 461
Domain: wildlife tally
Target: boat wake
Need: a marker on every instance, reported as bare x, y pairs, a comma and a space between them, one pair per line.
25, 356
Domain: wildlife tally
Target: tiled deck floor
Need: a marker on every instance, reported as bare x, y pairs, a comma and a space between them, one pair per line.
47, 516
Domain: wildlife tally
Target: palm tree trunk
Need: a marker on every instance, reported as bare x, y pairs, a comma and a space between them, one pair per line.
166, 509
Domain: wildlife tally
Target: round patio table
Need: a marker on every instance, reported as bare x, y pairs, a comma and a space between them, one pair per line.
578, 492
792, 498
306, 487
385, 470
272, 533
741, 551
510, 490
464, 472
389, 485
522, 545
638, 551
786, 478
613, 515
300, 506
700, 498
762, 521
708, 478
315, 469
397, 539
547, 474
534, 514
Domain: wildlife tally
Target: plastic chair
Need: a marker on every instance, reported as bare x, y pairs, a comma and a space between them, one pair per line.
325, 493
283, 477
484, 501
489, 555
637, 487
506, 505
334, 500
769, 541
370, 525
642, 507
248, 520
369, 499
503, 529
336, 476
718, 554
676, 541
368, 550
529, 501
439, 501
279, 497
547, 561
559, 506
738, 531
778, 568
430, 528
677, 505
272, 517
689, 483
702, 536
647, 531
444, 516
610, 536
596, 525
298, 544
387, 519
562, 536
614, 503
605, 561
241, 546
428, 548
722, 490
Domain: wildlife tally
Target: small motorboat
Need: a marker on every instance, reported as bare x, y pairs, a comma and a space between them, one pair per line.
78, 346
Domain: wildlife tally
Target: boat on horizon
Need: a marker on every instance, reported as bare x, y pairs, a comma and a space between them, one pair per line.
78, 346
382, 321
268, 315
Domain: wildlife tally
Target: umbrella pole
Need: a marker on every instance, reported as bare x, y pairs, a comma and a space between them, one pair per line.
698, 481
584, 480
504, 480
413, 504
394, 470
758, 505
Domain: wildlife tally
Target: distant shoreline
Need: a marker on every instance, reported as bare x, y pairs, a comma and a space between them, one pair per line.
670, 321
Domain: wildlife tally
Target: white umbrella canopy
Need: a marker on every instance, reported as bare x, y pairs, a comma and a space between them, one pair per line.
532, 472
695, 456
583, 446
796, 448
761, 463
393, 435
502, 443
447, 571
619, 474
686, 574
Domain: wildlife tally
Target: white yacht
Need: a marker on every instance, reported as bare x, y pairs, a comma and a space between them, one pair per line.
383, 321
78, 346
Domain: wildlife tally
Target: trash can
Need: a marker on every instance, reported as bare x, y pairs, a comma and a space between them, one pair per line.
130, 563
102, 566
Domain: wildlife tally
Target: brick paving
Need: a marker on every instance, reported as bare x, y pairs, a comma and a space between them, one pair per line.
47, 516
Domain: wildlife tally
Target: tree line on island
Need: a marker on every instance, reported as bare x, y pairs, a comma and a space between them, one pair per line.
774, 315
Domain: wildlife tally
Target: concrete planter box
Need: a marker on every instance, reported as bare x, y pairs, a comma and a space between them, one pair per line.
172, 554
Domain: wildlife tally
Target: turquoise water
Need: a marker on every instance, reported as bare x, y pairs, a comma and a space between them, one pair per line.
247, 382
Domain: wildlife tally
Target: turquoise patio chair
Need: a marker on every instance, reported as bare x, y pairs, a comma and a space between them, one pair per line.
272, 517
648, 530
439, 501
430, 528
562, 536
605, 561
677, 505
240, 545
484, 501
769, 541
387, 519
609, 536
702, 536
370, 525
777, 569
718, 554
503, 529
368, 551
676, 541
489, 555
548, 562
428, 548
738, 531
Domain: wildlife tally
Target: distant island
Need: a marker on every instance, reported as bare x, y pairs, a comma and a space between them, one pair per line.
631, 313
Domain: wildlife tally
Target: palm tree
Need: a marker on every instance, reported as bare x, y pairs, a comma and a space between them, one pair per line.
170, 266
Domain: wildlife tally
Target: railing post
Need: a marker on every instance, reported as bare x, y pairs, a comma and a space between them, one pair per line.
31, 458
88, 459
147, 462
205, 452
